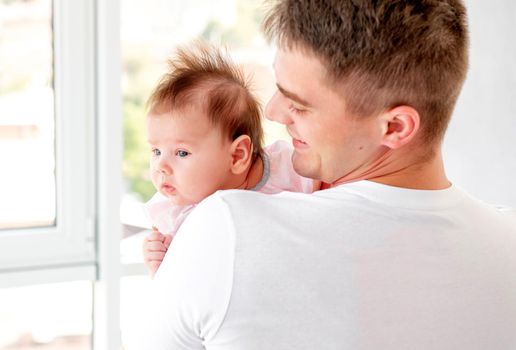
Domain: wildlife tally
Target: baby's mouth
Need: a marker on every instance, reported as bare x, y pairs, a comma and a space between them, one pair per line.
167, 188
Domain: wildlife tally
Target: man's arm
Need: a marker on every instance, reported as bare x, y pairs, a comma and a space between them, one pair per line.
191, 289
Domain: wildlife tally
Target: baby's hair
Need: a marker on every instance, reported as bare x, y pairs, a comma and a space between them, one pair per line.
203, 75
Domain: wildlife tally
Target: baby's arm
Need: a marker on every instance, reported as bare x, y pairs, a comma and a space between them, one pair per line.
166, 217
155, 245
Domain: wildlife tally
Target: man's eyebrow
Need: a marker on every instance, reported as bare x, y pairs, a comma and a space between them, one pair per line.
293, 96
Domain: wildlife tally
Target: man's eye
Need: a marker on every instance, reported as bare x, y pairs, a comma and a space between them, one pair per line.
296, 110
156, 152
182, 154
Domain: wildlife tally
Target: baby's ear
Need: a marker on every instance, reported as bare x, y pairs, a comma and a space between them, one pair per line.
241, 154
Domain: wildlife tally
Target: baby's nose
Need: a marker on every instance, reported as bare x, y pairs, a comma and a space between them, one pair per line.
165, 168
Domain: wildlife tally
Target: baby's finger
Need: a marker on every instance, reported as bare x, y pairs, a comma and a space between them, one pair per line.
155, 229
155, 246
167, 240
155, 236
155, 256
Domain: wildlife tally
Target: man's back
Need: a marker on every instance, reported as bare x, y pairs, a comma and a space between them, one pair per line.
360, 266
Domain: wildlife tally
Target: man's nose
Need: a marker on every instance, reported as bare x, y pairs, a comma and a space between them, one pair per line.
277, 109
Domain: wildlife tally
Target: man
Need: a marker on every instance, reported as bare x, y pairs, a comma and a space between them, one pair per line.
390, 255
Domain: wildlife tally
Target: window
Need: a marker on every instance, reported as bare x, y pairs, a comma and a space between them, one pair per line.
66, 131
27, 181
46, 135
48, 316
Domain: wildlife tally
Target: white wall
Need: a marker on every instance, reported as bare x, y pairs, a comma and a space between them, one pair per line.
480, 147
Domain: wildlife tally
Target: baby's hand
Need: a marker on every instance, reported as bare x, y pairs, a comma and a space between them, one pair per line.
155, 245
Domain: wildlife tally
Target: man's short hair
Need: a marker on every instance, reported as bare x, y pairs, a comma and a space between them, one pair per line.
204, 76
383, 53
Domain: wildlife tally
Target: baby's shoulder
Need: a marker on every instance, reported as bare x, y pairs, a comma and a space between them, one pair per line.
279, 149
282, 175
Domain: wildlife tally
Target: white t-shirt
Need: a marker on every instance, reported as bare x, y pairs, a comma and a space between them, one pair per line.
360, 266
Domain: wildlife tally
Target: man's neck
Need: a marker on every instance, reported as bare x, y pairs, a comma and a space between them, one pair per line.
428, 175
402, 170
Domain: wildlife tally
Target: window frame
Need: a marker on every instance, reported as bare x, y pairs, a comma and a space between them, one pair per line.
71, 241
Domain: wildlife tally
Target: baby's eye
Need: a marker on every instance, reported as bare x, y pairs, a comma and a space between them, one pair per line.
156, 152
182, 154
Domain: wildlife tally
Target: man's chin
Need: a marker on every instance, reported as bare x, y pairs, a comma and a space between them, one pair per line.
304, 167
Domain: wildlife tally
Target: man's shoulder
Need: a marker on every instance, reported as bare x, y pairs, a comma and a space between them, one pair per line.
506, 215
482, 207
219, 208
243, 204
505, 210
230, 197
285, 199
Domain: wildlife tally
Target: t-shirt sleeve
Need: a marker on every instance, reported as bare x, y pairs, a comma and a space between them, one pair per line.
191, 290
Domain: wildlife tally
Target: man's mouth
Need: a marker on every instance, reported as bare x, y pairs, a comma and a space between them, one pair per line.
298, 143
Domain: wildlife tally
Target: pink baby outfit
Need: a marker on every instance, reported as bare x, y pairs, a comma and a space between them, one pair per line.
278, 176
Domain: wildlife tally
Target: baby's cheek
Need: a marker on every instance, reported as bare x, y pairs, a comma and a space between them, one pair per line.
197, 191
154, 178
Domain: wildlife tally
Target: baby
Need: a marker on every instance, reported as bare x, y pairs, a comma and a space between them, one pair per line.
204, 130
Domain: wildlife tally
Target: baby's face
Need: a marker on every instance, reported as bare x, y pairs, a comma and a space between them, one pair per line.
190, 158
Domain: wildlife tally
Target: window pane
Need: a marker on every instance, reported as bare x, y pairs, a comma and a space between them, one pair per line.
27, 154
47, 317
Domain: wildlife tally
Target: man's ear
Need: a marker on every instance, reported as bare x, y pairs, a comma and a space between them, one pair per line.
241, 154
399, 126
